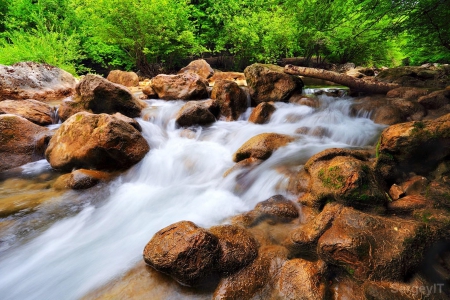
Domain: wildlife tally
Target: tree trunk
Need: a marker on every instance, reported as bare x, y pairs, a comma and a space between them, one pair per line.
355, 84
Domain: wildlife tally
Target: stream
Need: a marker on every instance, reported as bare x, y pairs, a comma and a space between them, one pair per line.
81, 240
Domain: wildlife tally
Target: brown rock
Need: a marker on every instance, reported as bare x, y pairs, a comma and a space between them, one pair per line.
123, 78
35, 111
149, 91
269, 83
21, 141
435, 100
302, 280
194, 113
199, 67
277, 208
407, 204
261, 146
68, 108
237, 77
396, 192
244, 165
408, 93
100, 142
187, 86
29, 80
416, 185
318, 131
412, 76
80, 179
262, 113
238, 248
127, 120
184, 251
231, 99
300, 99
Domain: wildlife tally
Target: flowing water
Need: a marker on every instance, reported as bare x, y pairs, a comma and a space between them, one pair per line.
80, 240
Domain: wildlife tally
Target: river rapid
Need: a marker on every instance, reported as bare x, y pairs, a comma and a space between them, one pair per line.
81, 240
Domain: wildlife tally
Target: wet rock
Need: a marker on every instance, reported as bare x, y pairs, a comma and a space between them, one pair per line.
269, 83
123, 78
21, 141
127, 120
231, 99
255, 280
237, 77
35, 111
184, 251
97, 95
408, 93
187, 86
318, 131
244, 165
344, 176
194, 113
262, 113
261, 146
149, 92
238, 248
277, 209
435, 100
30, 80
300, 99
412, 147
101, 142
407, 204
302, 280
416, 185
199, 67
373, 247
80, 179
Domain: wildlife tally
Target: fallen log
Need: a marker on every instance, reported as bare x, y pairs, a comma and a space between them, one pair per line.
355, 84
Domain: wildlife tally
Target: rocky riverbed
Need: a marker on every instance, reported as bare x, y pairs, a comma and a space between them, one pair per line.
223, 185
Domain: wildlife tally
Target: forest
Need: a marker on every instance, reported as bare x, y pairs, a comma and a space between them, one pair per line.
154, 36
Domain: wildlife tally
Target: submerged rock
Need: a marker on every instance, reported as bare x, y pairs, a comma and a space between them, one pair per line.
101, 142
80, 179
194, 113
37, 112
261, 146
123, 78
30, 80
186, 86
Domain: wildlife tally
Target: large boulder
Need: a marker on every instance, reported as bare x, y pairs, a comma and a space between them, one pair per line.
186, 86
21, 141
195, 113
408, 93
269, 83
199, 67
97, 95
231, 99
184, 251
123, 78
37, 112
29, 80
101, 142
412, 147
261, 146
436, 99
262, 113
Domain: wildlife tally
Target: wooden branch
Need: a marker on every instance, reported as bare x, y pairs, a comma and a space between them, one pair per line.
354, 84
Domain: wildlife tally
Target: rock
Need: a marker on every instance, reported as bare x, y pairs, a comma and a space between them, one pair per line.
407, 204
35, 111
238, 248
68, 108
21, 141
80, 179
101, 142
123, 78
416, 185
187, 86
262, 113
127, 120
300, 99
199, 67
435, 100
412, 147
277, 208
302, 280
184, 251
344, 176
418, 77
318, 131
261, 146
373, 247
194, 113
237, 77
255, 279
396, 192
149, 91
269, 83
29, 80
244, 165
408, 93
231, 99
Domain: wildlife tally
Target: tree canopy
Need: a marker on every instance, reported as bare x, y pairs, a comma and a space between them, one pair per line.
159, 35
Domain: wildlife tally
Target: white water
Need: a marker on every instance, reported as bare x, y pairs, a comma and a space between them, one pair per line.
179, 179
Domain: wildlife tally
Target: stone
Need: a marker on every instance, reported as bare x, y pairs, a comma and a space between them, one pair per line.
408, 93
417, 77
99, 142
231, 99
238, 247
21, 141
128, 120
37, 112
149, 91
435, 100
80, 179
199, 67
300, 99
123, 78
184, 251
261, 146
277, 208
237, 77
407, 204
269, 83
396, 192
262, 113
30, 80
186, 86
194, 113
